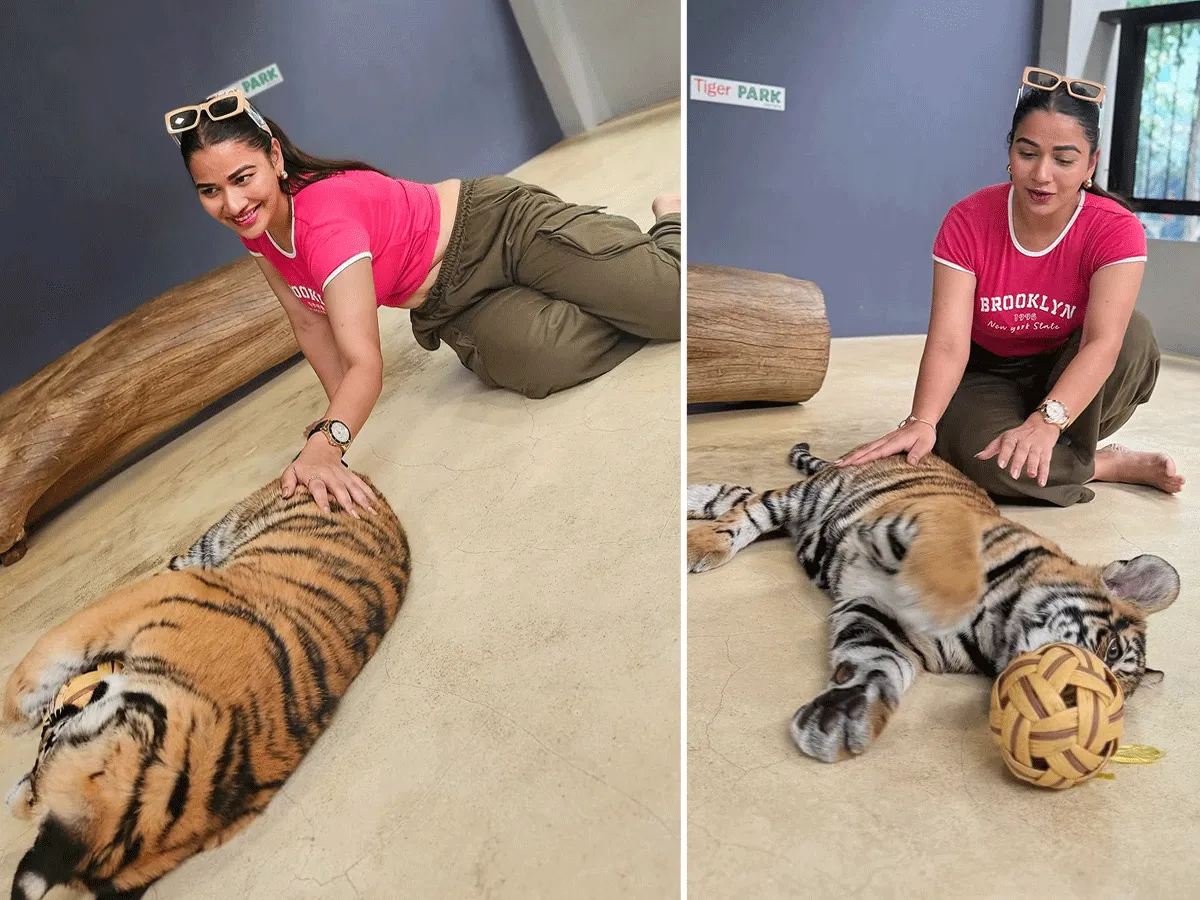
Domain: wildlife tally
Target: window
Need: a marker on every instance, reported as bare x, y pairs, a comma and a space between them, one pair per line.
1154, 159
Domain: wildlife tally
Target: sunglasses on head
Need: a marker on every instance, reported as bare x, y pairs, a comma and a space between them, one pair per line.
224, 105
1045, 80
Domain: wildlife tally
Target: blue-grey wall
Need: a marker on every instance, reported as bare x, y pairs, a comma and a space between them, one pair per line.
95, 205
895, 110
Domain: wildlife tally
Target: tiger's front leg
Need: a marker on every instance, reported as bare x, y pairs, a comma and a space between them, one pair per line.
873, 664
748, 517
101, 631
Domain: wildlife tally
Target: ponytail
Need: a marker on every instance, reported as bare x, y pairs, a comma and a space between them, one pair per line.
303, 168
1101, 192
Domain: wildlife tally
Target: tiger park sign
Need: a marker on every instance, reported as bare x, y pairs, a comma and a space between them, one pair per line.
264, 78
737, 93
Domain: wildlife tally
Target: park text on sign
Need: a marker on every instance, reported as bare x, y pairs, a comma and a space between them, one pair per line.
738, 93
264, 78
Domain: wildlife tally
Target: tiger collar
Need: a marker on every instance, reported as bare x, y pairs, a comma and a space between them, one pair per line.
77, 693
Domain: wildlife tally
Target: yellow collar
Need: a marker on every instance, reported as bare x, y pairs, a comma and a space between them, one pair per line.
78, 691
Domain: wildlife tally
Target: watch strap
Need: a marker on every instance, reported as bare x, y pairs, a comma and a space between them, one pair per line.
1061, 426
325, 426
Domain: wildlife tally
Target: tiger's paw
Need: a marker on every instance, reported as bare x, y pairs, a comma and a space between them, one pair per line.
29, 694
845, 719
708, 548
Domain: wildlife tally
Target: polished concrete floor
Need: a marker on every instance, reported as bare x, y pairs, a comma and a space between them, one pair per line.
929, 811
518, 733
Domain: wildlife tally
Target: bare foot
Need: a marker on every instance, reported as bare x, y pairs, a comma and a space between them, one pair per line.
1120, 464
666, 203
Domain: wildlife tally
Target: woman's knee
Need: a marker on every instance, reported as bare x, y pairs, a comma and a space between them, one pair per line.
664, 313
1139, 347
538, 352
1138, 360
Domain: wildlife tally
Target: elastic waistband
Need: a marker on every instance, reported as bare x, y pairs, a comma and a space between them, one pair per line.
450, 259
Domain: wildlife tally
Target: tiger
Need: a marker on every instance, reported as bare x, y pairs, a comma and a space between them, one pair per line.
923, 570
174, 708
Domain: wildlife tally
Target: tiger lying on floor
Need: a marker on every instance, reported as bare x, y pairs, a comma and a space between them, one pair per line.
224, 671
922, 568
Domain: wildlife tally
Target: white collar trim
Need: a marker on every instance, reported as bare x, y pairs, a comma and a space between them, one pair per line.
292, 216
1012, 234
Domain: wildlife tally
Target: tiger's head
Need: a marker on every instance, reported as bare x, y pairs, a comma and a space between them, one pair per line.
105, 790
1135, 588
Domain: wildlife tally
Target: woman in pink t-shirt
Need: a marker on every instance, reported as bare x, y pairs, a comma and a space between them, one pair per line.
534, 294
1034, 352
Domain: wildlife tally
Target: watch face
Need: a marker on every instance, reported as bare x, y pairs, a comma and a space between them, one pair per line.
340, 432
1055, 412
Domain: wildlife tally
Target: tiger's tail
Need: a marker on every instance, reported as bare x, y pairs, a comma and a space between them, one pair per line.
802, 459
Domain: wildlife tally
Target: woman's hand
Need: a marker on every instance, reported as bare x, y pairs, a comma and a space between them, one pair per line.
1025, 448
319, 468
916, 439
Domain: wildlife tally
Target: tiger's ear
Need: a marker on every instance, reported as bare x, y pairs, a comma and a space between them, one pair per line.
1148, 582
1151, 677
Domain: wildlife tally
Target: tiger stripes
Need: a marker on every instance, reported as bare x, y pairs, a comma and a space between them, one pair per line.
923, 570
234, 660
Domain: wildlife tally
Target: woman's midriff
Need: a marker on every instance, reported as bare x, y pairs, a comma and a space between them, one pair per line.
447, 192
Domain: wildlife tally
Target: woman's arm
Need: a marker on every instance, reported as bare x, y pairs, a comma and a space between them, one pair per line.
312, 331
343, 349
353, 318
948, 344
1111, 295
943, 362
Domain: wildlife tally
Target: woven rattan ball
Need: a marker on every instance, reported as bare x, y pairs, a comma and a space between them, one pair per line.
1057, 714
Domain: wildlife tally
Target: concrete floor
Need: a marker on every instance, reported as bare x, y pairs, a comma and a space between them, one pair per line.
929, 810
518, 733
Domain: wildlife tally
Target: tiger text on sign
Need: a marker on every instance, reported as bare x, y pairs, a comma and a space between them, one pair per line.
737, 93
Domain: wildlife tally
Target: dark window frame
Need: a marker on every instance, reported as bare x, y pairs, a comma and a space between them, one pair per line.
1127, 105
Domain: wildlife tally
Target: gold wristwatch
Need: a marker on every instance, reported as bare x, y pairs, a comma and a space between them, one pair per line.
1055, 412
336, 432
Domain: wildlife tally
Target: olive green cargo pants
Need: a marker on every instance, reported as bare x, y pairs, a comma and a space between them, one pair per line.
537, 295
998, 393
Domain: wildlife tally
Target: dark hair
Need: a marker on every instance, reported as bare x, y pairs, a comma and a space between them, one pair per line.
1086, 113
302, 168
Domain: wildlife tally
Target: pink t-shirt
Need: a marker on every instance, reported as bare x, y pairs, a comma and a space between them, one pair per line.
1027, 302
351, 216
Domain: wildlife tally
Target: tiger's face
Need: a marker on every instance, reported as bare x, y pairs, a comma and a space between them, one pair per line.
101, 773
1123, 649
1135, 589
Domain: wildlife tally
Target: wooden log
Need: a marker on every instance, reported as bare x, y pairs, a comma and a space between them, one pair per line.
753, 336
145, 374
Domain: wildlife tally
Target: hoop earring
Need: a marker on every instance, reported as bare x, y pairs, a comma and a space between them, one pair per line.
1008, 169
1087, 184
283, 175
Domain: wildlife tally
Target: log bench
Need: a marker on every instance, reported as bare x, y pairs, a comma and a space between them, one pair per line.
139, 378
753, 336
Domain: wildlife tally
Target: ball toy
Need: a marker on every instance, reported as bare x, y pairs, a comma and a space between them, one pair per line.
1057, 714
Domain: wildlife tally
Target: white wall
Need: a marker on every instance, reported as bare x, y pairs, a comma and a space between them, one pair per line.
593, 65
1074, 37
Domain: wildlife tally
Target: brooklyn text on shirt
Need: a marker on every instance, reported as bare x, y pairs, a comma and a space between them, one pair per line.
310, 297
1027, 301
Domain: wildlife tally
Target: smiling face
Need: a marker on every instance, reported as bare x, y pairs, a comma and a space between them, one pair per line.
1050, 160
238, 186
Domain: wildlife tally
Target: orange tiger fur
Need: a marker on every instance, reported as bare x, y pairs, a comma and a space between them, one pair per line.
924, 572
234, 661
